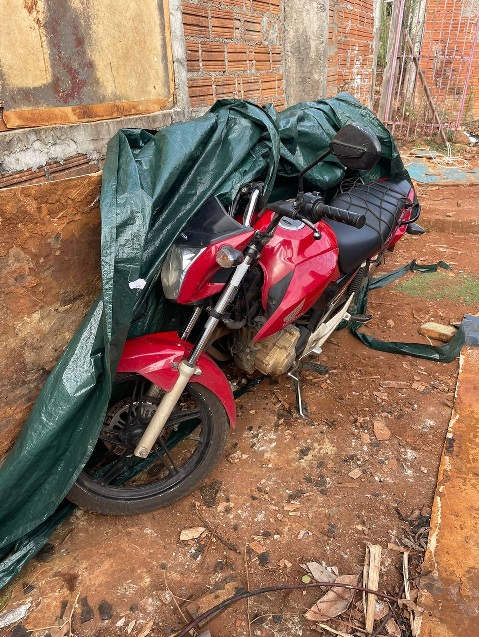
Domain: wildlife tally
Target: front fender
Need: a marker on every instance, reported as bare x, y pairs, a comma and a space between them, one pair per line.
153, 356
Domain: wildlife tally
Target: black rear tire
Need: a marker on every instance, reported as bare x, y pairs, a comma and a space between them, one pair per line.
206, 423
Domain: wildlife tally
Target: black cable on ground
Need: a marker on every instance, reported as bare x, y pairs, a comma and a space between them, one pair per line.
271, 589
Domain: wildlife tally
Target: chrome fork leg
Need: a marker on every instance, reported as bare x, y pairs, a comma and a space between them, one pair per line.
302, 407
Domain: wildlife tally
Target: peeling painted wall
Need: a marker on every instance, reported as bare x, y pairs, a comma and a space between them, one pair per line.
83, 60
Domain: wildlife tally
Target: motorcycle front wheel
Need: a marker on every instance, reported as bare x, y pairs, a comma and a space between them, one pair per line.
115, 482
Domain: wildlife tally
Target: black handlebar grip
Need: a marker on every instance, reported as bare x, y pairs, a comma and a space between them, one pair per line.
350, 218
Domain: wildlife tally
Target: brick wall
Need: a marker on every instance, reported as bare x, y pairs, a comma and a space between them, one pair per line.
447, 48
350, 42
234, 49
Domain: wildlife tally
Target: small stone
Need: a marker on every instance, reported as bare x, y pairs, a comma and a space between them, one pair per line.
263, 558
381, 431
192, 533
27, 588
306, 579
355, 473
209, 493
120, 622
86, 613
21, 631
130, 626
105, 610
166, 597
365, 439
257, 547
292, 506
390, 323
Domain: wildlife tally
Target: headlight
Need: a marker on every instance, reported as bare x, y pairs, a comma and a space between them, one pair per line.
174, 268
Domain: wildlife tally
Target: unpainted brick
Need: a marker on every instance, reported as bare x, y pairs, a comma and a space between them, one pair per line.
252, 31
268, 85
226, 86
239, 57
200, 90
266, 6
195, 21
235, 3
262, 60
223, 23
276, 57
251, 85
192, 56
213, 57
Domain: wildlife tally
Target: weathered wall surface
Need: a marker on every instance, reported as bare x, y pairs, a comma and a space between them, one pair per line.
82, 60
234, 49
306, 36
49, 264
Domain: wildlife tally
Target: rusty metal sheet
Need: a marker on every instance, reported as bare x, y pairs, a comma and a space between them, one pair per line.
64, 61
449, 590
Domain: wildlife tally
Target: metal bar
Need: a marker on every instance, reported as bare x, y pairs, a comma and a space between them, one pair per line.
426, 90
394, 39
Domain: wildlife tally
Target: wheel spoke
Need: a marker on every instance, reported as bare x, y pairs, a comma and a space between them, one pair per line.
179, 417
116, 469
171, 468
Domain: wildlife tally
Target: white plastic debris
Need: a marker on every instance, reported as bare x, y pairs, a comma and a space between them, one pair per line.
15, 615
139, 284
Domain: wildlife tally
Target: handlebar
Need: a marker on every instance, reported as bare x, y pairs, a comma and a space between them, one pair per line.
350, 218
312, 209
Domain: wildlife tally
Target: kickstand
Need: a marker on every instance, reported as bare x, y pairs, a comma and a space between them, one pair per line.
301, 406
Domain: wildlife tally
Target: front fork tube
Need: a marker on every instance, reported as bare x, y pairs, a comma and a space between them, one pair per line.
188, 367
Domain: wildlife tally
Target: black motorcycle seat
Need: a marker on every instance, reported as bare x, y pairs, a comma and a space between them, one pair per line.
383, 203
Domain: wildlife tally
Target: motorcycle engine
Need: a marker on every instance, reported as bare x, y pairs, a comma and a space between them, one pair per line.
272, 356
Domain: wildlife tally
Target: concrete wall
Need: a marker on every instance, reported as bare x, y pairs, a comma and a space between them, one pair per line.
306, 36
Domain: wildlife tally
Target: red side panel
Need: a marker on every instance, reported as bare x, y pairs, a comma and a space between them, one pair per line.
400, 230
311, 265
197, 284
153, 356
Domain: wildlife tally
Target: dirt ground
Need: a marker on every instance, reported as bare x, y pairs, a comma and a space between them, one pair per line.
284, 494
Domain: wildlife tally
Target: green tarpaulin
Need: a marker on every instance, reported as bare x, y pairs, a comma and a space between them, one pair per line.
152, 184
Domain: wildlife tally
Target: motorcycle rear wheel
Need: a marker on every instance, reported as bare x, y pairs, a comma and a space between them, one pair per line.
115, 482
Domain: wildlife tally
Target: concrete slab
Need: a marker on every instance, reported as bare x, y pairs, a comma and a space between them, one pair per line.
449, 590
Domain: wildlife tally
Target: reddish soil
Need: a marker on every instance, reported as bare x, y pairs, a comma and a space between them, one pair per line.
284, 482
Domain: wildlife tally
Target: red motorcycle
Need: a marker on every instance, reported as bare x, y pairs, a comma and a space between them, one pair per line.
272, 286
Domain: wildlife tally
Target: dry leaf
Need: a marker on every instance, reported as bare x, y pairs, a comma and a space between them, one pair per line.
334, 602
146, 630
393, 629
381, 431
192, 534
61, 631
319, 572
